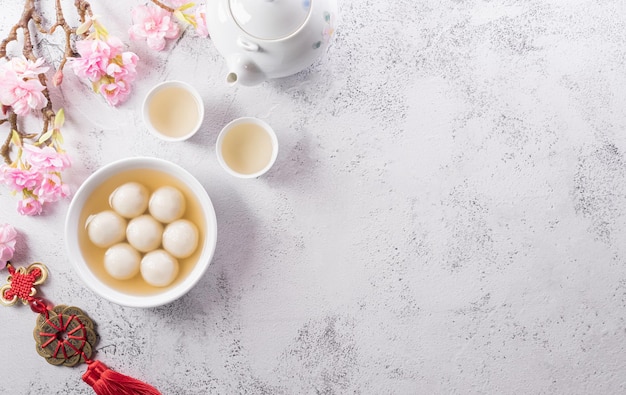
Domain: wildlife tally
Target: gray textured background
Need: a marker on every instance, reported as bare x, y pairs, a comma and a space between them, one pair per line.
447, 213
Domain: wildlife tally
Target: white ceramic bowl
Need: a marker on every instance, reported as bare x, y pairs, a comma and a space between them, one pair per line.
246, 120
73, 225
145, 109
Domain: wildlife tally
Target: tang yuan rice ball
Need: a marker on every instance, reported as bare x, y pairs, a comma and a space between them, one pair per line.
144, 233
106, 228
158, 268
167, 204
129, 200
180, 238
122, 261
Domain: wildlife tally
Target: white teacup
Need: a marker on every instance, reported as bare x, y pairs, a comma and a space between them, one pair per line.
173, 111
247, 147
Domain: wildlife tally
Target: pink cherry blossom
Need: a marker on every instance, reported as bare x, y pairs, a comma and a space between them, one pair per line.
8, 236
104, 63
46, 158
123, 67
153, 24
95, 56
20, 87
52, 188
58, 78
116, 45
115, 92
201, 29
21, 94
26, 68
19, 179
29, 206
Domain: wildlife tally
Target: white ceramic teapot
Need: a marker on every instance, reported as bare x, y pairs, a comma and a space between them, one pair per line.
262, 39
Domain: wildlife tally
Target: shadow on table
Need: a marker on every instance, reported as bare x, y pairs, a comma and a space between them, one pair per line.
295, 165
236, 235
217, 113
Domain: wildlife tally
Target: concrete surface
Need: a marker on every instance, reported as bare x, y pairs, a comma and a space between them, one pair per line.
447, 213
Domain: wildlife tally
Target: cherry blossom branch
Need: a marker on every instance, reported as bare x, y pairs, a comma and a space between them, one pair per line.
29, 13
6, 147
35, 172
84, 10
164, 6
60, 22
35, 169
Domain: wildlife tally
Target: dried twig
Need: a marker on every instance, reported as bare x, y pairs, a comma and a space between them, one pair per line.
164, 6
30, 13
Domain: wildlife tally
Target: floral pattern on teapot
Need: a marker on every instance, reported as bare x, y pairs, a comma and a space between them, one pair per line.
328, 30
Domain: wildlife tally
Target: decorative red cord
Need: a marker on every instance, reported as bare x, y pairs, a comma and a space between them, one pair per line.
70, 334
67, 330
21, 283
62, 337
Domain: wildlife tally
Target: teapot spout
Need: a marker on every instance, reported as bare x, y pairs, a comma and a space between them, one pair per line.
244, 72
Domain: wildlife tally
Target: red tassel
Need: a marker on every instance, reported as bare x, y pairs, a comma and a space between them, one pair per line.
105, 381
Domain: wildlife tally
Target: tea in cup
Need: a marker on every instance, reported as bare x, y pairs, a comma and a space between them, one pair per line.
247, 147
173, 111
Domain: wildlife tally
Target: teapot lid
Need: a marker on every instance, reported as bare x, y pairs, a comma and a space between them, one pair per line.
270, 19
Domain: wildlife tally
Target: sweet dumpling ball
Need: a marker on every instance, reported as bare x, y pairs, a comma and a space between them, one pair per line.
122, 261
106, 228
158, 268
180, 238
144, 233
167, 204
129, 200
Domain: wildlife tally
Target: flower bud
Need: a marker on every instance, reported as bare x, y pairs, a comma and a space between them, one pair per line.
58, 78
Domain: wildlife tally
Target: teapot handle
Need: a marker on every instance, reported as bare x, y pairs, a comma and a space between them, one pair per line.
247, 45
